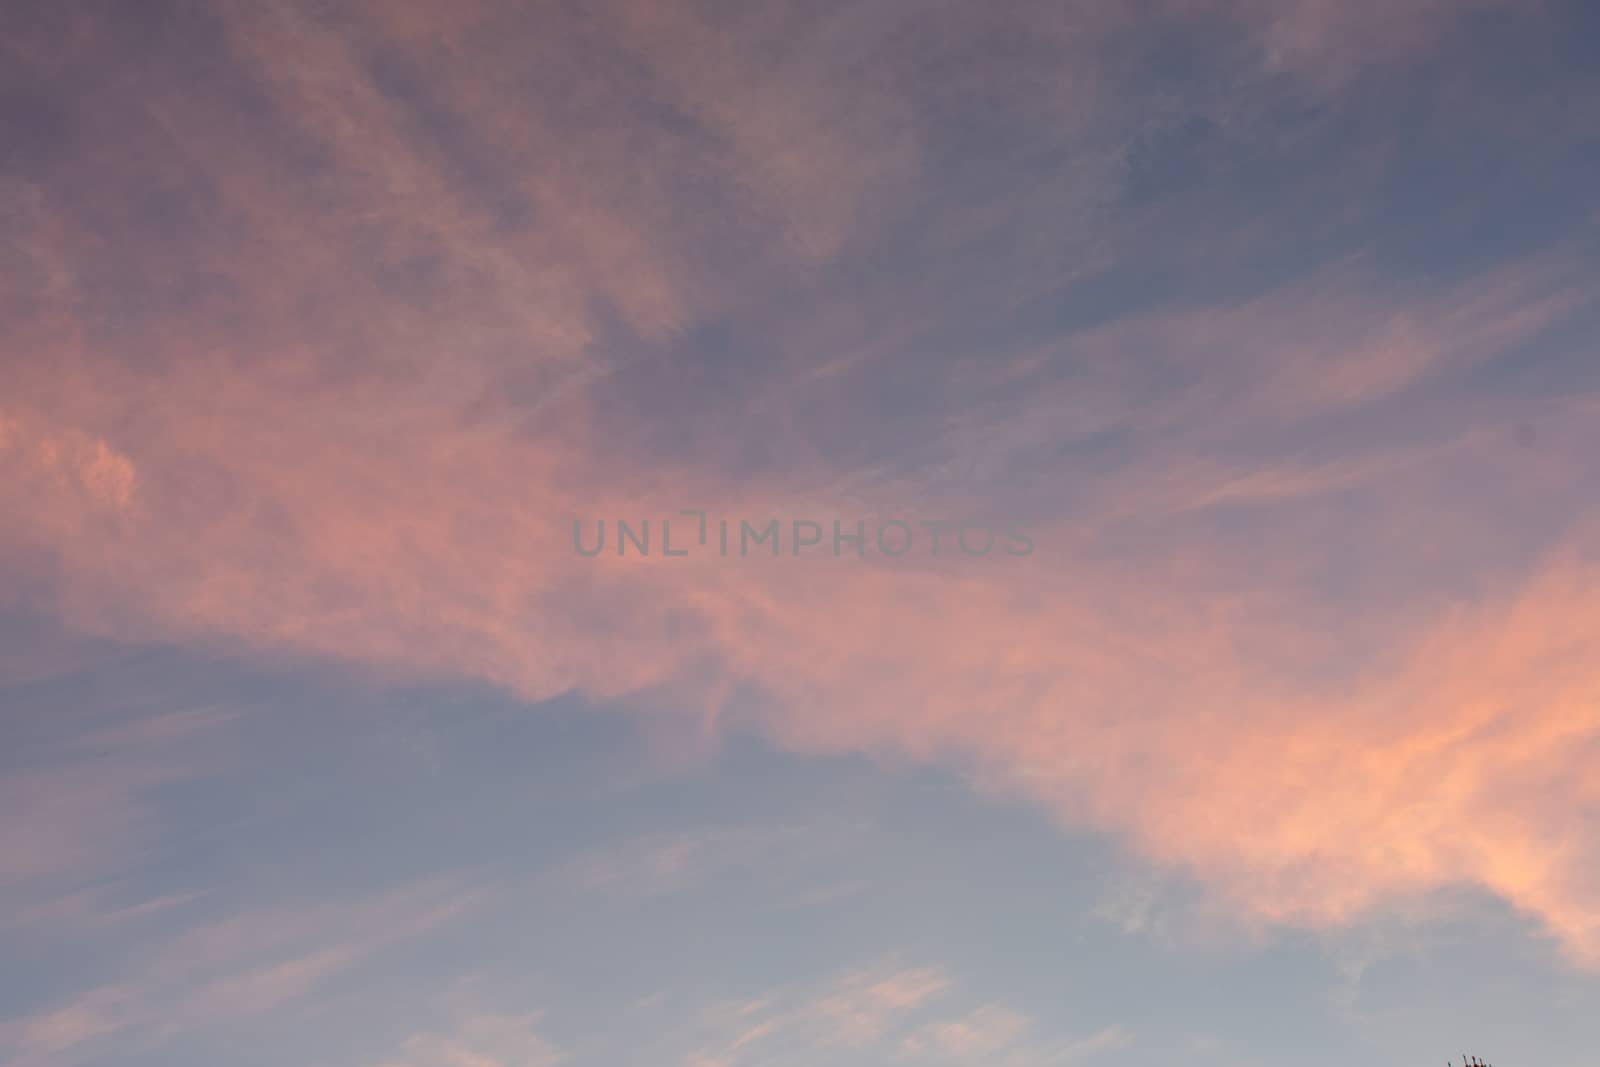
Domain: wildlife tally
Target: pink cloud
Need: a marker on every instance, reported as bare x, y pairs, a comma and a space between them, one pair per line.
355, 470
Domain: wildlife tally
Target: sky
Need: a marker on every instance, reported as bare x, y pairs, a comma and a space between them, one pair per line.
1180, 641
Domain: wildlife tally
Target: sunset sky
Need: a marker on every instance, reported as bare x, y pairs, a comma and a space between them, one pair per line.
1269, 324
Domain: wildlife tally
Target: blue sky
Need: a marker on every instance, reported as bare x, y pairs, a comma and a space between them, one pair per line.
1270, 325
323, 870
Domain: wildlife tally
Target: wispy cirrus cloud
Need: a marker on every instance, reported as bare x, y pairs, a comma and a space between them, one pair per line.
220, 971
1301, 622
886, 1014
